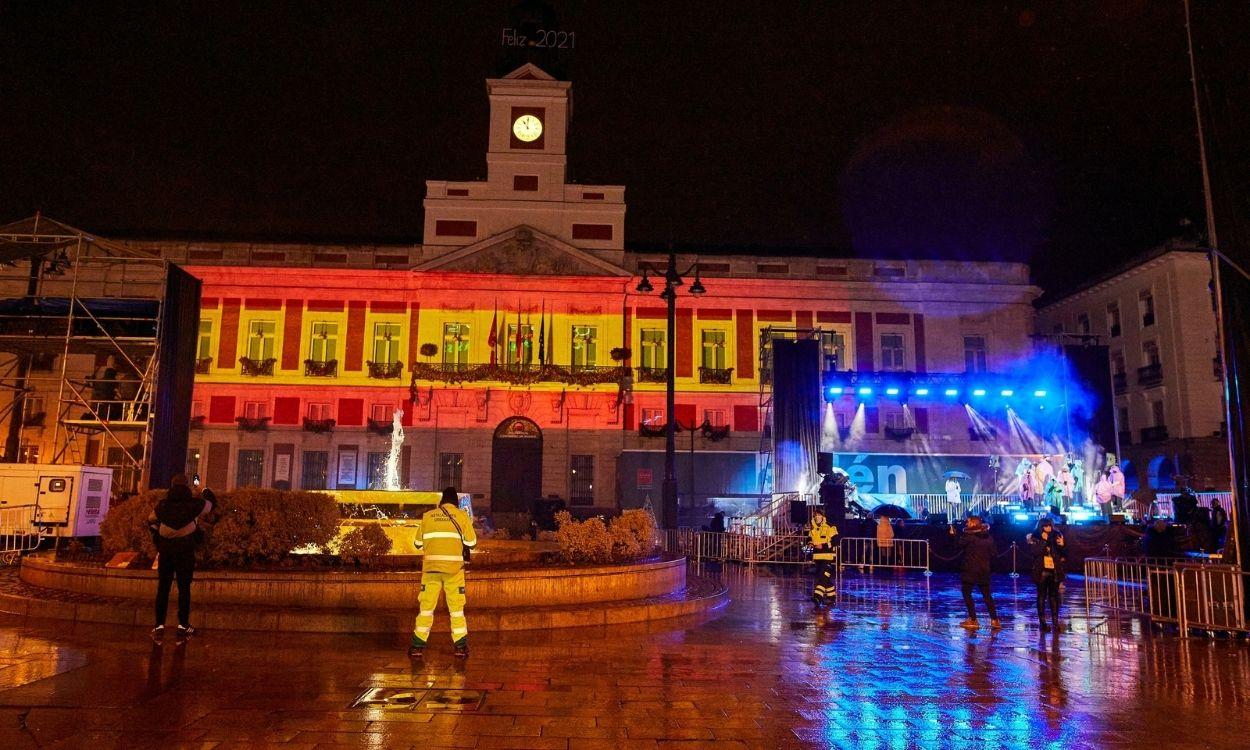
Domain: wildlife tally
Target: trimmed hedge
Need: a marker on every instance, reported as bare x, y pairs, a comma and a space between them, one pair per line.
248, 527
628, 537
365, 544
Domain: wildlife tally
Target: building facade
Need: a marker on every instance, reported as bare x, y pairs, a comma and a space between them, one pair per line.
523, 357
1157, 316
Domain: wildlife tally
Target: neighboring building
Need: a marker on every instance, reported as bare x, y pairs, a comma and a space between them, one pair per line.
1157, 316
305, 350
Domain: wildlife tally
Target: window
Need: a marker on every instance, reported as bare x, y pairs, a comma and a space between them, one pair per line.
204, 349
376, 465
653, 356
714, 349
251, 468
1156, 413
450, 470
385, 343
974, 354
260, 340
582, 480
892, 353
318, 412
843, 420
28, 454
1113, 319
897, 420
585, 346
714, 417
1150, 353
1146, 306
456, 344
315, 470
1122, 419
1082, 323
33, 410
197, 409
325, 342
527, 345
653, 417
1117, 363
833, 347
382, 412
255, 409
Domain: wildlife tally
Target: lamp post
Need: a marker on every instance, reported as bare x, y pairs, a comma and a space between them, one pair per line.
672, 280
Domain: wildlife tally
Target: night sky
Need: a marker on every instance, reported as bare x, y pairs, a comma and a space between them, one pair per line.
1057, 132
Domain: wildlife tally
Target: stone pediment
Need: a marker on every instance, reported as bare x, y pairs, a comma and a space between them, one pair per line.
524, 251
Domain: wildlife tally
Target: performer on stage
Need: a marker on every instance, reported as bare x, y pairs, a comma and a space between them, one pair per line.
953, 491
1067, 484
1079, 490
1024, 477
1116, 477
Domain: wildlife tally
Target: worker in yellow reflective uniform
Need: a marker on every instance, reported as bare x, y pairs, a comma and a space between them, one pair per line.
445, 539
823, 539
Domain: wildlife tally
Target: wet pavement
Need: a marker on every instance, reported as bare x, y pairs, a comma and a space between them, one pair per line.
888, 667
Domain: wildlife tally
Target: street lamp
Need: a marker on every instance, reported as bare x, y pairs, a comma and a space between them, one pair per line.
672, 280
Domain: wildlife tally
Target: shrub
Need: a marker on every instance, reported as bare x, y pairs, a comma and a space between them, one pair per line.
263, 526
248, 526
583, 541
365, 544
125, 526
546, 536
633, 535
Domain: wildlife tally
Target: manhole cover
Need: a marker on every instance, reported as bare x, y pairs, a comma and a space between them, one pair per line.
416, 699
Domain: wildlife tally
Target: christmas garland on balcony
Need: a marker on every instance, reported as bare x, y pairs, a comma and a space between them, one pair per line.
513, 375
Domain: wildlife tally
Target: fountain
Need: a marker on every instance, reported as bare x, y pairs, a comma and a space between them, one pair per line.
391, 481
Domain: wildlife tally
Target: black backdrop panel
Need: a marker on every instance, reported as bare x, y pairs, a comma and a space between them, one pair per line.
175, 376
1091, 366
796, 414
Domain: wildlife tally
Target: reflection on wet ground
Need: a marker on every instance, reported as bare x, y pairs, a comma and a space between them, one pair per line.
888, 667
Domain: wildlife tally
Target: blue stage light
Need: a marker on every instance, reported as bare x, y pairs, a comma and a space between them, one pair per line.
952, 391
1008, 392
1017, 516
835, 390
922, 391
1040, 394
891, 391
975, 391
863, 391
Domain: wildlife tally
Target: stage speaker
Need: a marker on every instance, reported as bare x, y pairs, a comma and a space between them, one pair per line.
999, 519
824, 463
1119, 518
798, 512
937, 519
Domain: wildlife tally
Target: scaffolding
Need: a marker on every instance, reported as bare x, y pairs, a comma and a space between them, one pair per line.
80, 326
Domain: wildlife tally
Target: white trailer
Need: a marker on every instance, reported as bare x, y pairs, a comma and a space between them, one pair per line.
61, 500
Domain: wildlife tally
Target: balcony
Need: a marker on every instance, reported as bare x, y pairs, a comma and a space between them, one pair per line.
318, 425
257, 368
651, 374
385, 370
253, 424
314, 368
1126, 438
899, 433
651, 430
716, 375
197, 422
1119, 380
513, 374
381, 426
1156, 434
1150, 374
203, 365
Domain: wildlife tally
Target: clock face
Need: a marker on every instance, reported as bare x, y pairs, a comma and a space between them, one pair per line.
527, 128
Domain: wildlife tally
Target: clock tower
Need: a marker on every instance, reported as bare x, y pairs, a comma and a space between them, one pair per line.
529, 121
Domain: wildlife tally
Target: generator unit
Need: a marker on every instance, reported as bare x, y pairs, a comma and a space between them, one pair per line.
68, 500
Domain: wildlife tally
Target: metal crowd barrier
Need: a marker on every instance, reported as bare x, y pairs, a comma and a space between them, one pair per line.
940, 503
786, 549
18, 532
1142, 587
865, 553
1212, 598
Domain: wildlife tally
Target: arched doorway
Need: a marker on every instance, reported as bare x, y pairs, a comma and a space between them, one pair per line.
516, 466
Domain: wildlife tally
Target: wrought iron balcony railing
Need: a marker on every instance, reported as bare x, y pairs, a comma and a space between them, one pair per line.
315, 368
380, 426
257, 368
516, 374
252, 424
651, 374
203, 365
1155, 434
318, 425
385, 370
716, 375
899, 433
1150, 374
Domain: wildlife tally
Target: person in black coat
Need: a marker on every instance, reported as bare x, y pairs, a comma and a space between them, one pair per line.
175, 523
974, 571
1049, 557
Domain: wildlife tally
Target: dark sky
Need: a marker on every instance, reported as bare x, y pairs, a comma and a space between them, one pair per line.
1057, 132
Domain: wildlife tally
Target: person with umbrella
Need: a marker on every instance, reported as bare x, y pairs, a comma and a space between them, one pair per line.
953, 490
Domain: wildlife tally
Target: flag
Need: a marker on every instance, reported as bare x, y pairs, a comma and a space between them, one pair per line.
551, 349
494, 336
542, 335
519, 339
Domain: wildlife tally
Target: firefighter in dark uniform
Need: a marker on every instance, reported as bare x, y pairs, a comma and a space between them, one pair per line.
823, 539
